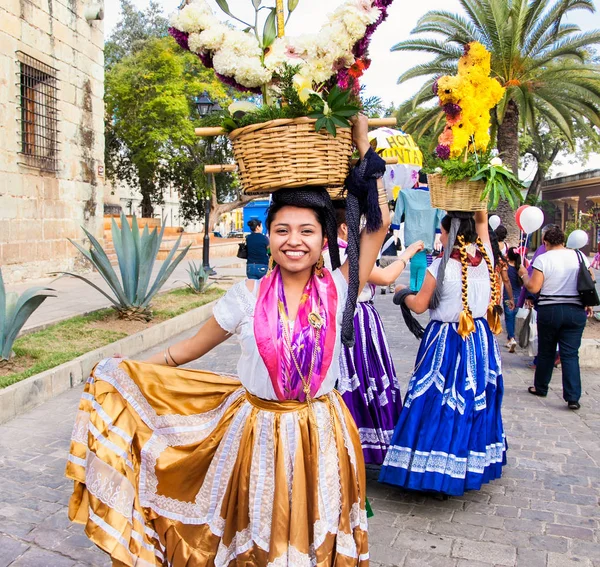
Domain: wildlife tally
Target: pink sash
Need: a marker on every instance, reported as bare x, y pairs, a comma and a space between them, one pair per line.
320, 296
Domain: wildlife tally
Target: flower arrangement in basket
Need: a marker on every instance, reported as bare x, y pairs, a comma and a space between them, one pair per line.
469, 177
300, 135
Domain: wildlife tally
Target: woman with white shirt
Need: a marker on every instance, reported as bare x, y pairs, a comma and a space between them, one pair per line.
561, 316
450, 437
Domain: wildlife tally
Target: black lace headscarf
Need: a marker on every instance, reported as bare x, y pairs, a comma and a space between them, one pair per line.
362, 199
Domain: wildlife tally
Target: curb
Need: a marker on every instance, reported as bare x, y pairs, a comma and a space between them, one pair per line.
35, 390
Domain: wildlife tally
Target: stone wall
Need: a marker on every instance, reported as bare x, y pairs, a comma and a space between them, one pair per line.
40, 209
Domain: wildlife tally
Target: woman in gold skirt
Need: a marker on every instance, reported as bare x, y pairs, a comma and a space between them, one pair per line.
187, 468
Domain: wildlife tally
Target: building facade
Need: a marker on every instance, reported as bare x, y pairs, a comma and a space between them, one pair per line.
51, 134
575, 199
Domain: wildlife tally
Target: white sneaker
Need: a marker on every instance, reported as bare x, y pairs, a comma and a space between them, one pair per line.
512, 345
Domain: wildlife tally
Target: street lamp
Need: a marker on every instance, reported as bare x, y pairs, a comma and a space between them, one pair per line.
206, 106
203, 104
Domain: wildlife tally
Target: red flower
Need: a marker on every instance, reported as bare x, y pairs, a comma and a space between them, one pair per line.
359, 67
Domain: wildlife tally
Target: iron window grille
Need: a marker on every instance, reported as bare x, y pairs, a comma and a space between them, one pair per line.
39, 113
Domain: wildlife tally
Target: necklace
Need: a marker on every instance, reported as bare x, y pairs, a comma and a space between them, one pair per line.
317, 323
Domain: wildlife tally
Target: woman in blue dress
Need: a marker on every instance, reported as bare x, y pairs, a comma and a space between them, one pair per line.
450, 437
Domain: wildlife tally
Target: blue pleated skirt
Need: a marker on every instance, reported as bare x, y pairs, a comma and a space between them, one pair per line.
450, 437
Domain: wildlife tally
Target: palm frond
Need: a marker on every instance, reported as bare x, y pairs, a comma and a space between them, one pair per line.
453, 26
429, 46
426, 69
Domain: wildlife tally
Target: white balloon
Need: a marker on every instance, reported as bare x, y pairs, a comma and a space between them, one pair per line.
532, 218
577, 239
494, 221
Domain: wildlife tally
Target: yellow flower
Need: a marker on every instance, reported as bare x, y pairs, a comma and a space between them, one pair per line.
476, 93
303, 86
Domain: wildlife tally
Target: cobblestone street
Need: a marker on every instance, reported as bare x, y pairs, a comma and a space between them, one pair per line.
543, 512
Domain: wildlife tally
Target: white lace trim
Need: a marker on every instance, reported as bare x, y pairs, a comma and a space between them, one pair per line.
80, 428
444, 463
109, 486
262, 480
293, 558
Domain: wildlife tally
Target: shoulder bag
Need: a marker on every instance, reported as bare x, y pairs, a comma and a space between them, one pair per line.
586, 286
242, 251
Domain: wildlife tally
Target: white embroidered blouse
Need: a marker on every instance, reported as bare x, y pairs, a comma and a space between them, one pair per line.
479, 290
234, 313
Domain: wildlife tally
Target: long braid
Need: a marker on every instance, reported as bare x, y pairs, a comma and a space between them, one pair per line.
494, 309
466, 325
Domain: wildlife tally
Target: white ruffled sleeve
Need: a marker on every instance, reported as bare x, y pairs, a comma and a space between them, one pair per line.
234, 307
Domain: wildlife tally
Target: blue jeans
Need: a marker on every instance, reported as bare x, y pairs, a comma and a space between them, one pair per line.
256, 271
561, 324
509, 317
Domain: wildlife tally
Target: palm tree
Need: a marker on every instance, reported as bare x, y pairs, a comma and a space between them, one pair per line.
541, 60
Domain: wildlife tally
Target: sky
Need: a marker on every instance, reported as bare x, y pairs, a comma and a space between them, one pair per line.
386, 66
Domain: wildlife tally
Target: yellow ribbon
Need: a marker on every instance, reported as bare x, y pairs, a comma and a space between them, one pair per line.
466, 325
493, 320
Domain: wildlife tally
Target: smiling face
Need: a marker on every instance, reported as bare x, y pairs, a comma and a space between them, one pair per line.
296, 239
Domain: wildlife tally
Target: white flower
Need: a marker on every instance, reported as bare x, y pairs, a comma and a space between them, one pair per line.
195, 43
244, 44
250, 72
355, 25
496, 161
194, 18
212, 38
279, 54
225, 62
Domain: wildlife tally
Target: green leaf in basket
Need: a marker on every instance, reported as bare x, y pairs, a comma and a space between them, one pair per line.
320, 123
341, 122
270, 31
330, 127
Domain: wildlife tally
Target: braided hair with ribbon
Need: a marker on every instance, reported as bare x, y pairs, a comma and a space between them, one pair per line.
361, 199
462, 232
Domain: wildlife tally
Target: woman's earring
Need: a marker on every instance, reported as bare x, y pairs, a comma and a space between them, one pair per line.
271, 265
319, 266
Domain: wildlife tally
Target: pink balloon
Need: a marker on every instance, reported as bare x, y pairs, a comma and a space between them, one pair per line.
518, 215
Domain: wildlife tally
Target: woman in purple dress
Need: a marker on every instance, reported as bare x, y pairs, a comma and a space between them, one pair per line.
368, 381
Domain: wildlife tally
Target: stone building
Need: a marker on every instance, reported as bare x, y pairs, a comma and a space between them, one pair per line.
51, 133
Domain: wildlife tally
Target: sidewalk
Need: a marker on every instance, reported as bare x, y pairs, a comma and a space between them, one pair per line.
75, 297
543, 512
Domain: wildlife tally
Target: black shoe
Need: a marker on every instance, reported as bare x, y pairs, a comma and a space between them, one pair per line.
574, 405
383, 291
533, 391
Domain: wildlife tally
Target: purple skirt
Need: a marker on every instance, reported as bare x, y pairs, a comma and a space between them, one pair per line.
368, 384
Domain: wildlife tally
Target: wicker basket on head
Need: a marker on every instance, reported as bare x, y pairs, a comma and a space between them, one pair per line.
457, 195
289, 153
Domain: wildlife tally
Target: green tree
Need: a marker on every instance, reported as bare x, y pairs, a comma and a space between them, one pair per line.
544, 62
133, 29
151, 142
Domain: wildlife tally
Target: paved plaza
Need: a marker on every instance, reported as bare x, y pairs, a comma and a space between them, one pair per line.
543, 512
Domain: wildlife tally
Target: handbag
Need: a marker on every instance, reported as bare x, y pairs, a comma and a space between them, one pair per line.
525, 331
586, 286
242, 251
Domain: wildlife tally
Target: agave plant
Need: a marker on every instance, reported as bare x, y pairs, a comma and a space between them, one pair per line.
136, 254
14, 312
198, 278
